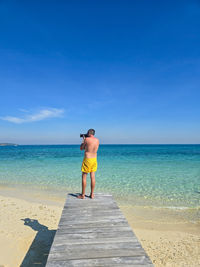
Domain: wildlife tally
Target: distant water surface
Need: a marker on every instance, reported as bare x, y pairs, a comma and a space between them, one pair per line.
152, 175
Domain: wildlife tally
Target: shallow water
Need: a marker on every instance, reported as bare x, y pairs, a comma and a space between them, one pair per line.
147, 175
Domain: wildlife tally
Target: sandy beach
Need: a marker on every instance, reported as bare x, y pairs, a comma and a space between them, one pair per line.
28, 222
22, 222
168, 238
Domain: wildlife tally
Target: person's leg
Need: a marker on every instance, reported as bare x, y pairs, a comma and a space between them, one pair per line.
92, 176
84, 177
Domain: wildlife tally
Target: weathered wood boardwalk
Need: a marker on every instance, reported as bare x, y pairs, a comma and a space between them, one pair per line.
94, 232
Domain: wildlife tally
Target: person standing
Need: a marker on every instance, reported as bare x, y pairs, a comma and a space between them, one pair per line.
89, 165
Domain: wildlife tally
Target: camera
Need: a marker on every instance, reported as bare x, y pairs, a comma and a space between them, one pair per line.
84, 135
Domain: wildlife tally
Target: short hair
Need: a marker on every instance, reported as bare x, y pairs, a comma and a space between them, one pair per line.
91, 131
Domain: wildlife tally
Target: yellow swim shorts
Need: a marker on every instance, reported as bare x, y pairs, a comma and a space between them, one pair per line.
89, 165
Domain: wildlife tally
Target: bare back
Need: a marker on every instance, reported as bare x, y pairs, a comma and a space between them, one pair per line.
91, 145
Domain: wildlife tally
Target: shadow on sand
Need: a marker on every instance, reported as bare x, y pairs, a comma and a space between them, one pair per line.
38, 252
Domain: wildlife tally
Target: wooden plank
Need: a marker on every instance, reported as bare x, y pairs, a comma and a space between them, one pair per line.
59, 240
94, 229
105, 262
94, 247
93, 224
94, 232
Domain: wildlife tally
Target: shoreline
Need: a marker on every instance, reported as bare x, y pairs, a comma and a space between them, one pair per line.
59, 192
169, 236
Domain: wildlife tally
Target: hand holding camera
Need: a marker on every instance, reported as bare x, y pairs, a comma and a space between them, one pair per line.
84, 135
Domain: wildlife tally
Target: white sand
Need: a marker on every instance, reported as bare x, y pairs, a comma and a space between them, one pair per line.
15, 237
168, 238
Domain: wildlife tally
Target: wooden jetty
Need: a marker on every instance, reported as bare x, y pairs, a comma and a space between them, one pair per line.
94, 232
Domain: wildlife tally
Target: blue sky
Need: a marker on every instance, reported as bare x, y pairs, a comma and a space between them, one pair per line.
128, 69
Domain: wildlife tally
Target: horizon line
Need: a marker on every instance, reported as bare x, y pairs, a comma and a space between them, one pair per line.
104, 144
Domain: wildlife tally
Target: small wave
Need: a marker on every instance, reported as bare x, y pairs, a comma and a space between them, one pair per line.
176, 207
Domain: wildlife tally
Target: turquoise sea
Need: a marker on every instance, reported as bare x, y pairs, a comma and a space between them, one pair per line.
147, 175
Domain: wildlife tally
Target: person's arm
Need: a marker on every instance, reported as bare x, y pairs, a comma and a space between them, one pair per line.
82, 147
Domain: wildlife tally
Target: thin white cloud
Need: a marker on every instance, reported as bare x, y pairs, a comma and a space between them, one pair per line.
41, 115
24, 110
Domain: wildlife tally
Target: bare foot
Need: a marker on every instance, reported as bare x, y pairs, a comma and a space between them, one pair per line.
91, 195
81, 196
